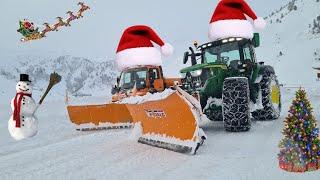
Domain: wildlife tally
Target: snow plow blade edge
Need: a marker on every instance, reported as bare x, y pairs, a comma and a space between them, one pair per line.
95, 117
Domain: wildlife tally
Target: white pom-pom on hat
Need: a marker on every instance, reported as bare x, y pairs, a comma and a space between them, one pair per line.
259, 24
167, 49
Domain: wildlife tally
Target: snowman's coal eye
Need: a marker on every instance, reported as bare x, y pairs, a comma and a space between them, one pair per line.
18, 84
27, 84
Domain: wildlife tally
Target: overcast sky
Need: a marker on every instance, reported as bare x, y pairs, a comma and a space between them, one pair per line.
179, 22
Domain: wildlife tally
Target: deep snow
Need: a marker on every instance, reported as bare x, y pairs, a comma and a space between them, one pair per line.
60, 152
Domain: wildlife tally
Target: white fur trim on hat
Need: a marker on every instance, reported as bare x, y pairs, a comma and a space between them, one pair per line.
167, 49
259, 23
230, 28
138, 56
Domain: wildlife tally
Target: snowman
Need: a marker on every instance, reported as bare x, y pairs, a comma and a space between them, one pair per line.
23, 123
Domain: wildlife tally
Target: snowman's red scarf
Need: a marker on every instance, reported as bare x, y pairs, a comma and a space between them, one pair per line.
17, 108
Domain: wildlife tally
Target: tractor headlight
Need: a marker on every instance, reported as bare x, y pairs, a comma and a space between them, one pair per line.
196, 73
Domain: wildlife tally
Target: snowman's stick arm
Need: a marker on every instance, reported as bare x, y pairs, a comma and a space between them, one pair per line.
45, 93
43, 97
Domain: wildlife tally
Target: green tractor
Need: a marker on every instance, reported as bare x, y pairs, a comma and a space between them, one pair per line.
230, 84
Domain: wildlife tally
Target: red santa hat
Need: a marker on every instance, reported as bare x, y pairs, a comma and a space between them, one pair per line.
229, 20
136, 48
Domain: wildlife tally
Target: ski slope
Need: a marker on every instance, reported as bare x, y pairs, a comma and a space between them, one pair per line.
60, 152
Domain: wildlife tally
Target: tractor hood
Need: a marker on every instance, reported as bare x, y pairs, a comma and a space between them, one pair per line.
202, 66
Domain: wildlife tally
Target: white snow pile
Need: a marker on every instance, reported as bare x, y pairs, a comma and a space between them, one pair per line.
258, 104
148, 97
137, 132
215, 101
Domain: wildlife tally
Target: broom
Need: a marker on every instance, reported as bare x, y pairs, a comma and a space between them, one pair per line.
55, 78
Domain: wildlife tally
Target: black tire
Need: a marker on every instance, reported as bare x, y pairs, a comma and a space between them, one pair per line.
235, 104
214, 113
270, 110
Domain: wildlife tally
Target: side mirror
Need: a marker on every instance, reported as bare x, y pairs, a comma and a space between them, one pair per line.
114, 90
185, 57
141, 84
256, 40
193, 56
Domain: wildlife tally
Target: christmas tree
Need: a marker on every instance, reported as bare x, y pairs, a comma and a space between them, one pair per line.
300, 147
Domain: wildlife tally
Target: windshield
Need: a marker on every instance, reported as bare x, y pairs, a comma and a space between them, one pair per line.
130, 77
222, 54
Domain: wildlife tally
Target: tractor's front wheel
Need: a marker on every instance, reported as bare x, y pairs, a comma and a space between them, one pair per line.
271, 97
235, 104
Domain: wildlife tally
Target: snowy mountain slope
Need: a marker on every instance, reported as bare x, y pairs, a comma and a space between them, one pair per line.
80, 76
291, 42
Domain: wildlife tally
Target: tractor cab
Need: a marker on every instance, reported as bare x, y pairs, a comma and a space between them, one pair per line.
234, 56
229, 51
138, 81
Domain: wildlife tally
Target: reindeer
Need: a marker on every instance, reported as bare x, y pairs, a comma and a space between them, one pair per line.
60, 23
46, 29
82, 9
72, 17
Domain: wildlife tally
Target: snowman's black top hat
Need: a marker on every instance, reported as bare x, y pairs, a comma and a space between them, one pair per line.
24, 77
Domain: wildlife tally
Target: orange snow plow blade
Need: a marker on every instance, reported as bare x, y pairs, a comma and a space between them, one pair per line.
168, 120
168, 123
95, 117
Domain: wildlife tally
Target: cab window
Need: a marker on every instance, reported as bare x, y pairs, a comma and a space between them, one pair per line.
154, 74
223, 53
129, 78
247, 53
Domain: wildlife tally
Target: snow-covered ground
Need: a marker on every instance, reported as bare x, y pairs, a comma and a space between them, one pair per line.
60, 152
